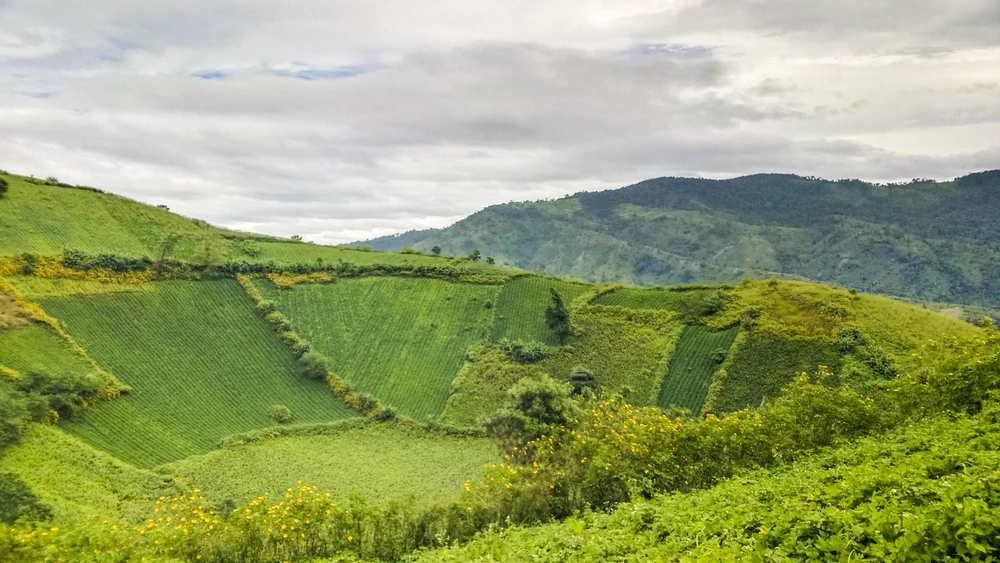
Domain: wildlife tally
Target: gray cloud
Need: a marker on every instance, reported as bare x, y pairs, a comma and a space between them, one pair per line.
343, 120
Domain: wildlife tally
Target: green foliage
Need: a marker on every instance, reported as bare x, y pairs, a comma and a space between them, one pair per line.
537, 406
761, 364
480, 389
926, 493
281, 414
3, 187
401, 340
699, 352
520, 308
203, 365
475, 255
557, 317
522, 353
376, 462
18, 501
691, 303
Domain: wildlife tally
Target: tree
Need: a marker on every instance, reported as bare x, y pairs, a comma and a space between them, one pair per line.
536, 406
296, 238
436, 251
581, 379
3, 187
475, 255
490, 260
557, 317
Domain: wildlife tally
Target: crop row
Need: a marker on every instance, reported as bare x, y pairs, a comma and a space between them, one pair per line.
697, 356
401, 340
520, 308
201, 363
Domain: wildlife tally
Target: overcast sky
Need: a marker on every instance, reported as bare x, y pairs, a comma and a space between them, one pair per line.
344, 119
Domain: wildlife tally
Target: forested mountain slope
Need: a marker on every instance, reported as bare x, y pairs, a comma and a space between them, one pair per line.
934, 241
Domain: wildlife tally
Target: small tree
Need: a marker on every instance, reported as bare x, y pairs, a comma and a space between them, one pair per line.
3, 187
490, 260
557, 317
281, 414
536, 406
475, 255
436, 251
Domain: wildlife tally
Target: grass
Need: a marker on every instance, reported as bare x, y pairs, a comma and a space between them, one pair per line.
38, 347
692, 366
203, 365
36, 288
664, 298
377, 462
400, 339
482, 384
80, 482
520, 308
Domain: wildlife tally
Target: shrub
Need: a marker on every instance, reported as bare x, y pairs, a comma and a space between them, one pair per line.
281, 414
314, 365
3, 187
522, 353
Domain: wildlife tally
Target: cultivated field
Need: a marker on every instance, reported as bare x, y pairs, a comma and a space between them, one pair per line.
699, 352
38, 347
400, 339
203, 365
520, 308
376, 463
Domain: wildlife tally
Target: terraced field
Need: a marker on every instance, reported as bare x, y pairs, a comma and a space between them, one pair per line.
520, 308
378, 462
699, 352
203, 365
400, 339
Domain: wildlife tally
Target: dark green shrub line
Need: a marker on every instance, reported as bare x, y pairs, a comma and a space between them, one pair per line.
341, 426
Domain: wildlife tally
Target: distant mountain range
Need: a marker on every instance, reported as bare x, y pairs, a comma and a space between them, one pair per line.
937, 241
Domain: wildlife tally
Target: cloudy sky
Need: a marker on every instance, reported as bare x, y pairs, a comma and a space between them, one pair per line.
344, 119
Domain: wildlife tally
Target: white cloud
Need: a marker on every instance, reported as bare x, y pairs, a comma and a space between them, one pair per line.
339, 120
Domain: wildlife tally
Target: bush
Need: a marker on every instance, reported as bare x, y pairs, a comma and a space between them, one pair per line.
281, 414
314, 365
522, 353
3, 187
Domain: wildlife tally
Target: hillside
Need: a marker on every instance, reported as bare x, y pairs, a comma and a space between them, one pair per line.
166, 394
934, 241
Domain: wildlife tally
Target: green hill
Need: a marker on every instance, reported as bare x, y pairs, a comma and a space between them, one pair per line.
935, 241
177, 392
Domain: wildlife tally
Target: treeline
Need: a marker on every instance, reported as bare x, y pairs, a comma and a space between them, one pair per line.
76, 260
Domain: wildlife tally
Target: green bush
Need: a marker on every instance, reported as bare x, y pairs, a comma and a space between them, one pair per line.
314, 365
3, 187
281, 414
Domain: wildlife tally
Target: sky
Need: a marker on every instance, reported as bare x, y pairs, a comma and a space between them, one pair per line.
340, 120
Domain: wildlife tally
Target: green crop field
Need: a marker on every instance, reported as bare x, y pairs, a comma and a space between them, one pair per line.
377, 463
520, 308
203, 365
400, 339
692, 366
38, 347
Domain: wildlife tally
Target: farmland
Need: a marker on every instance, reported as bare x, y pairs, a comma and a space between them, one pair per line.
412, 464
400, 339
38, 347
699, 353
669, 299
520, 308
202, 364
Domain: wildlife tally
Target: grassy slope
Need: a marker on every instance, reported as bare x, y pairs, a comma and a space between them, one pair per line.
202, 364
935, 241
520, 308
400, 339
42, 219
80, 482
376, 463
891, 496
